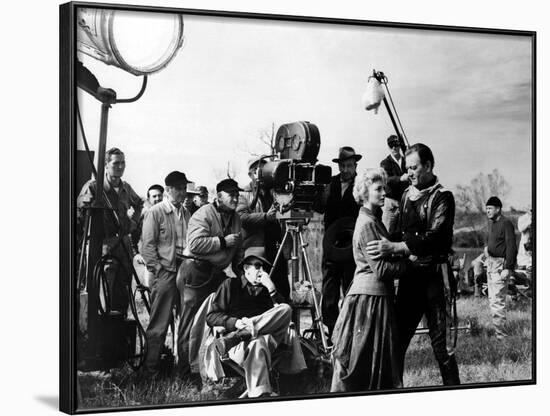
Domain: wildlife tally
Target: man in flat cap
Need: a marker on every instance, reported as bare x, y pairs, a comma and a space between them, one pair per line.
256, 319
202, 197
501, 261
257, 211
398, 181
337, 276
192, 192
213, 243
118, 225
163, 241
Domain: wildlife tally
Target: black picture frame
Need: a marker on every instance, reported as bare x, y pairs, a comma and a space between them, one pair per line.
69, 187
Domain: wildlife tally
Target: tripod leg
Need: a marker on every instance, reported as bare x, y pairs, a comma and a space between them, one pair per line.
278, 256
318, 316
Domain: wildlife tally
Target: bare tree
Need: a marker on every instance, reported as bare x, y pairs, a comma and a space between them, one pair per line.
231, 171
472, 197
267, 137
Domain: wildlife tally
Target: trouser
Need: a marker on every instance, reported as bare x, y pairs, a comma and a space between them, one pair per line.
164, 295
336, 277
390, 214
254, 356
421, 293
478, 264
498, 289
196, 279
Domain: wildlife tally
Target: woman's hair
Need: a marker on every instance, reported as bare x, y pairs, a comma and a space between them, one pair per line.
363, 181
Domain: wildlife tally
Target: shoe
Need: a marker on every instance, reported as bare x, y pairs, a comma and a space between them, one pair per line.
449, 372
225, 343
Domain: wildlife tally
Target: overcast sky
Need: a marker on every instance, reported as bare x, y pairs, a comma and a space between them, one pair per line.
467, 96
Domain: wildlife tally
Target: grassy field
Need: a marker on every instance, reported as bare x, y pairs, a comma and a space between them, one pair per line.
480, 356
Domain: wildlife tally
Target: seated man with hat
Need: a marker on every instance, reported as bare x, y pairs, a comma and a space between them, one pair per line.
340, 204
257, 211
257, 322
213, 243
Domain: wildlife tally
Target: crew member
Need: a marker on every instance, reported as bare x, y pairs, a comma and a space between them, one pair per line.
192, 192
118, 225
164, 239
260, 225
202, 198
398, 181
213, 243
340, 203
256, 320
155, 194
426, 224
501, 260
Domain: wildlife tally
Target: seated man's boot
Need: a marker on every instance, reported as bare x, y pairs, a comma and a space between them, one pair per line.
449, 372
225, 343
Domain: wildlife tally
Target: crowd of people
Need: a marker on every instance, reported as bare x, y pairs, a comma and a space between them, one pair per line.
221, 252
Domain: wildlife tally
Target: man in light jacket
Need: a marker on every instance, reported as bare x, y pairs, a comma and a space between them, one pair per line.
164, 238
213, 243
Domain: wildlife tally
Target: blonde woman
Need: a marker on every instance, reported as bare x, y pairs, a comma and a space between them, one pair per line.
366, 355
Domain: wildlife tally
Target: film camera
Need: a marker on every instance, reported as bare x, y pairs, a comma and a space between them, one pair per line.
296, 179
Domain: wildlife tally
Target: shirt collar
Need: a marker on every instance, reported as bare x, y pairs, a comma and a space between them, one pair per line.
396, 161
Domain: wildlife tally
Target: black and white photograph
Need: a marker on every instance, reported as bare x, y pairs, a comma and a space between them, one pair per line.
262, 208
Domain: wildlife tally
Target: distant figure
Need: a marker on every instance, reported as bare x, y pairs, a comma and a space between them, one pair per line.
192, 192
202, 197
501, 261
155, 194
398, 181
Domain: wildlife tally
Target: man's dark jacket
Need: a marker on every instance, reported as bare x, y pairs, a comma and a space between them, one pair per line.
339, 206
394, 186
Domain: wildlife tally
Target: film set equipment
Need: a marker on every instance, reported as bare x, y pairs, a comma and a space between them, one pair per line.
110, 37
374, 95
296, 180
297, 183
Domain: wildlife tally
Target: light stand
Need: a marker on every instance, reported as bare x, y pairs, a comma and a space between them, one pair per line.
94, 224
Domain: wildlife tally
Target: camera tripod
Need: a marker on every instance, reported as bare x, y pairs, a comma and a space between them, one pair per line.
294, 232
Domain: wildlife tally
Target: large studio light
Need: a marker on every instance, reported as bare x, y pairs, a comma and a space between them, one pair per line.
136, 42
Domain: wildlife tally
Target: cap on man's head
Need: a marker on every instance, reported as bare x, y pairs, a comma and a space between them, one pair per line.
255, 252
345, 153
494, 202
202, 190
192, 189
253, 162
176, 178
393, 140
228, 185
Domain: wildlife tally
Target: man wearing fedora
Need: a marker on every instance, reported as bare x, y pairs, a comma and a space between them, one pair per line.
256, 321
163, 241
213, 243
340, 204
257, 211
398, 181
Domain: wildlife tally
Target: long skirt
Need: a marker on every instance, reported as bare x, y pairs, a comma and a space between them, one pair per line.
366, 355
